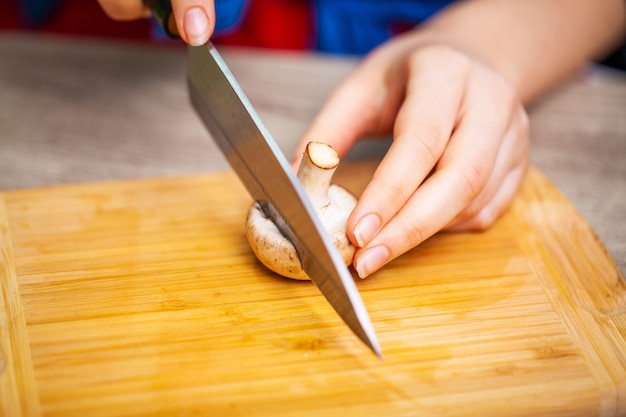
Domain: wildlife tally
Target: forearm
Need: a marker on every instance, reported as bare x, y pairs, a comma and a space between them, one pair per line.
532, 43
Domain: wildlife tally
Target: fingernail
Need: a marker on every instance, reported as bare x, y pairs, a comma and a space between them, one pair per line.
371, 260
366, 228
196, 26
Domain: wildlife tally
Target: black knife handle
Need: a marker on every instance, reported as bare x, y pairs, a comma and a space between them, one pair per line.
162, 11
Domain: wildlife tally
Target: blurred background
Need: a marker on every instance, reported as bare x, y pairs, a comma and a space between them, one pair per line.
281, 24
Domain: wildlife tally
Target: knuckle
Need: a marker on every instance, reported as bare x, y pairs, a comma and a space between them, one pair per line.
412, 234
473, 180
507, 92
509, 99
395, 194
484, 219
501, 91
426, 141
440, 57
477, 220
470, 212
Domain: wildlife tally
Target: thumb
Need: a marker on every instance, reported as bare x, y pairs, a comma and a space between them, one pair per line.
195, 20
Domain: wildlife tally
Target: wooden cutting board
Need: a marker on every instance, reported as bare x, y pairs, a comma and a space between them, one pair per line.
142, 298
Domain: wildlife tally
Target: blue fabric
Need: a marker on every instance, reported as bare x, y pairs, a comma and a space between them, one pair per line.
37, 11
347, 26
358, 26
228, 14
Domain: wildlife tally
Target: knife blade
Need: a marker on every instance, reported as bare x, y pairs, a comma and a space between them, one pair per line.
255, 157
263, 169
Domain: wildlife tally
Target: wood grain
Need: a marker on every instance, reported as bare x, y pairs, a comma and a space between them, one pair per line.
142, 298
18, 388
81, 110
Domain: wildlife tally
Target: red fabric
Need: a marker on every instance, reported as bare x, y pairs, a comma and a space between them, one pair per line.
284, 24
75, 17
9, 16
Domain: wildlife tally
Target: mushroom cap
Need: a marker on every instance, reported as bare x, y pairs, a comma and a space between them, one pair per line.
273, 249
278, 254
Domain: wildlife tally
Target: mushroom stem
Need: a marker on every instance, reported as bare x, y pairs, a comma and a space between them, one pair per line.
316, 171
331, 203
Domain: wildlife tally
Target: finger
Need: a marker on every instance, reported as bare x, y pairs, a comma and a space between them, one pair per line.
508, 173
195, 20
439, 199
497, 205
124, 10
421, 133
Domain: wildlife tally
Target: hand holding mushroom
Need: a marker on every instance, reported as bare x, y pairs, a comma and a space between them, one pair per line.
332, 203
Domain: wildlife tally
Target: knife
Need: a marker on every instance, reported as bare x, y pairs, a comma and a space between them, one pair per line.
263, 169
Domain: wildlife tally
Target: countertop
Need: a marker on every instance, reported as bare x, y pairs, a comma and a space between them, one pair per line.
81, 110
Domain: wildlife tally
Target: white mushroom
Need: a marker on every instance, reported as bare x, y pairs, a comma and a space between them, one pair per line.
332, 203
